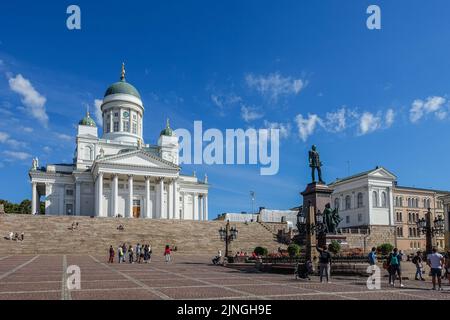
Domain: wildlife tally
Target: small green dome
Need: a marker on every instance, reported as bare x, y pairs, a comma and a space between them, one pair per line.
87, 121
122, 87
167, 131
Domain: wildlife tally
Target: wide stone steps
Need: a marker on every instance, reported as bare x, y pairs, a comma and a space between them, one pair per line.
50, 234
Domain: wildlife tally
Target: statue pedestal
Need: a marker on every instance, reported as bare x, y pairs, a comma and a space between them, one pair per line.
317, 195
326, 240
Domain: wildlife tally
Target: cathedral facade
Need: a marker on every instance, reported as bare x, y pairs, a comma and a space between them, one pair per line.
117, 174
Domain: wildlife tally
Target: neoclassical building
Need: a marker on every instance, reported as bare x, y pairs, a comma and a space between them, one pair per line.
117, 174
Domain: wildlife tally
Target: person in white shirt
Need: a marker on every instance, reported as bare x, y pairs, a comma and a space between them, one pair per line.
435, 261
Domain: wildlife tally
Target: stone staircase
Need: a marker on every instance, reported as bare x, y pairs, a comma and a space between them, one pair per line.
51, 235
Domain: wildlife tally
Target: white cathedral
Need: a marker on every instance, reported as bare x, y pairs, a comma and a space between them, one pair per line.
117, 175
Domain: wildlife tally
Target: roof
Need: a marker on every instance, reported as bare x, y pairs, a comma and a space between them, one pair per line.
361, 174
122, 87
421, 189
87, 121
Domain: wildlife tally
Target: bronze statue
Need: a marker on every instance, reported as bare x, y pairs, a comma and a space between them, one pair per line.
331, 219
315, 164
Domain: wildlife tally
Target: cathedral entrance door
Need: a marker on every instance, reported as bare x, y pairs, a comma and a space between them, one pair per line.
136, 208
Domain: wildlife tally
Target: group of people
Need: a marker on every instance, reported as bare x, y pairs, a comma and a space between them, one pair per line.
15, 236
139, 254
439, 266
74, 226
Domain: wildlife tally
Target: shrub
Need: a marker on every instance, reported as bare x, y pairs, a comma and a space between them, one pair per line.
334, 247
385, 248
261, 251
294, 250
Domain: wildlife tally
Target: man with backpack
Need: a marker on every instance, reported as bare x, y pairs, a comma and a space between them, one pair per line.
324, 263
418, 262
394, 267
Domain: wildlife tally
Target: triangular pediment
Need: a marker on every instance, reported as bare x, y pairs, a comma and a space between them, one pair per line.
138, 158
382, 173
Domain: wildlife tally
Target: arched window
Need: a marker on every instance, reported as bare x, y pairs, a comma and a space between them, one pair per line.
401, 202
417, 217
411, 245
410, 232
87, 153
348, 203
384, 200
336, 203
360, 200
375, 199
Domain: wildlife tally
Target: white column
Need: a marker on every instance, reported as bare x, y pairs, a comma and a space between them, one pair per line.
130, 197
99, 195
33, 198
195, 206
148, 208
77, 198
160, 213
201, 209
206, 206
176, 213
115, 195
170, 200
62, 195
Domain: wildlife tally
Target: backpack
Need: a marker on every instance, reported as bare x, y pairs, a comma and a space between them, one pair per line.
394, 260
415, 259
371, 257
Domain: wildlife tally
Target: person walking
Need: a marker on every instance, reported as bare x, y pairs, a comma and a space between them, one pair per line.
120, 254
138, 252
435, 261
394, 267
373, 256
111, 254
324, 263
149, 253
130, 254
418, 262
124, 248
167, 252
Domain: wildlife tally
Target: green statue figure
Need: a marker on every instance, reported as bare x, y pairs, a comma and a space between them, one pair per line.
331, 219
315, 164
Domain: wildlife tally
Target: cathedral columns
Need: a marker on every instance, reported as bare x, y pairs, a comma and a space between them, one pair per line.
129, 210
148, 208
206, 207
33, 198
170, 200
195, 213
115, 195
99, 195
176, 214
77, 198
160, 200
201, 209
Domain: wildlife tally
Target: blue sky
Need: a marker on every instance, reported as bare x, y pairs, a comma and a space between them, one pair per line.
312, 68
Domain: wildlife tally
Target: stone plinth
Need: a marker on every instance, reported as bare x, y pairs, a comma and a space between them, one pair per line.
317, 195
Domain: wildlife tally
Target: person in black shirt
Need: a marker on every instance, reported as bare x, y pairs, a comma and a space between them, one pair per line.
324, 263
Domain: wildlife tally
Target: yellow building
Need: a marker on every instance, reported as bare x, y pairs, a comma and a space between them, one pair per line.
410, 205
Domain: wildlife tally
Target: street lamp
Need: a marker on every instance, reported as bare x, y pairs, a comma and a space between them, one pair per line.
430, 229
228, 234
306, 227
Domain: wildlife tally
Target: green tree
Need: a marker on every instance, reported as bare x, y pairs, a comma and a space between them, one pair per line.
293, 250
261, 251
385, 248
334, 247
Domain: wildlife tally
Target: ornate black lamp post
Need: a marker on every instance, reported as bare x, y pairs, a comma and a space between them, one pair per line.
228, 234
310, 226
430, 230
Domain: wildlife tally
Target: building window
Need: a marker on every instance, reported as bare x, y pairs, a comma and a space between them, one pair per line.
410, 232
69, 192
126, 126
336, 203
116, 126
417, 217
348, 203
347, 219
69, 209
359, 217
384, 200
116, 114
401, 202
360, 200
134, 128
108, 127
375, 199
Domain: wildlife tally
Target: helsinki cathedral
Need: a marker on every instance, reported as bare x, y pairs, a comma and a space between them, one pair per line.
117, 174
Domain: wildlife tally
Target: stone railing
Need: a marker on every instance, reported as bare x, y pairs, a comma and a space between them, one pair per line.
353, 231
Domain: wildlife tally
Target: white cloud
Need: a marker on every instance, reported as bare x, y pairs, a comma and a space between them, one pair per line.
420, 108
32, 99
47, 149
369, 123
389, 118
63, 136
224, 101
335, 121
27, 129
16, 155
285, 128
275, 85
306, 126
6, 139
250, 114
98, 112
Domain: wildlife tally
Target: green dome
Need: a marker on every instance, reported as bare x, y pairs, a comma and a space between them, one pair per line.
167, 131
122, 87
87, 121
